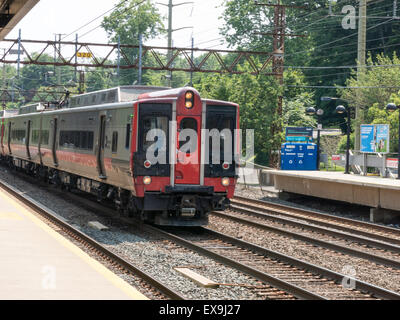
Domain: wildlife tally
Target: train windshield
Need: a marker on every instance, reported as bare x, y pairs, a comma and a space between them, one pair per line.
152, 126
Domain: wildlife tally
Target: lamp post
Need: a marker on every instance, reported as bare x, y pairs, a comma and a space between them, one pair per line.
391, 107
341, 110
311, 111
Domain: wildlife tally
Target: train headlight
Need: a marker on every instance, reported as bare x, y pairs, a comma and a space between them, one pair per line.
189, 105
225, 182
189, 95
147, 180
225, 165
189, 100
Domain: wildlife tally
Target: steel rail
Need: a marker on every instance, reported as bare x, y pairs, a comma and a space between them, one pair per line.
296, 291
319, 243
335, 276
268, 205
53, 217
323, 230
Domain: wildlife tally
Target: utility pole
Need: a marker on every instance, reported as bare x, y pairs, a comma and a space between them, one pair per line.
76, 57
81, 81
191, 57
140, 59
361, 61
59, 52
278, 60
171, 6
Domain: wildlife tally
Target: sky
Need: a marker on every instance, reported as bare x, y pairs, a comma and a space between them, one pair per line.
50, 17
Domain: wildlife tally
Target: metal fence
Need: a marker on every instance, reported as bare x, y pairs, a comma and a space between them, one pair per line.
384, 165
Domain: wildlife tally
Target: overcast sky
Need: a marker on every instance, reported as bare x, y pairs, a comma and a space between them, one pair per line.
55, 16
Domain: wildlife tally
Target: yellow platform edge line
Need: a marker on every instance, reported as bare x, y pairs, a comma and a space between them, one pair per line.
97, 266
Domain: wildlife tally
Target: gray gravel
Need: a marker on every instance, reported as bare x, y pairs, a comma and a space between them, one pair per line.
308, 203
158, 258
366, 271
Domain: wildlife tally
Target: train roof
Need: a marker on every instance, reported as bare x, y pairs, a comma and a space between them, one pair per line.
113, 95
8, 113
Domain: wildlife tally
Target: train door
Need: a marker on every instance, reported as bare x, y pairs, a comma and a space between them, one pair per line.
2, 137
27, 138
100, 148
40, 140
187, 169
54, 145
9, 137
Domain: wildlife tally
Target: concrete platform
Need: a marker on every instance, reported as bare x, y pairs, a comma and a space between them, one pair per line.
374, 192
38, 263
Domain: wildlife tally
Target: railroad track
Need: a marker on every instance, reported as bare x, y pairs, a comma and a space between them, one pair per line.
299, 278
147, 282
361, 228
279, 276
379, 252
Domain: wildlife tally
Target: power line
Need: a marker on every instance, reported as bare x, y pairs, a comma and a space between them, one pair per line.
337, 40
102, 15
343, 87
132, 6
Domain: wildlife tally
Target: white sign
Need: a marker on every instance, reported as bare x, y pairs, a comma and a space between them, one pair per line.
392, 163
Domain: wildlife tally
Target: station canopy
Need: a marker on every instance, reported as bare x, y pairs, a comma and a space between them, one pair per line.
12, 12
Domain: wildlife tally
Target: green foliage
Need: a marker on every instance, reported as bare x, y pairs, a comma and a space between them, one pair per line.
343, 144
131, 18
100, 79
374, 77
294, 111
257, 97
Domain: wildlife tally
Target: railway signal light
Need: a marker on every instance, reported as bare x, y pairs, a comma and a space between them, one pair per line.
189, 100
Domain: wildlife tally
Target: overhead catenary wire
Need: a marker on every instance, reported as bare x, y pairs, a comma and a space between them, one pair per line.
91, 21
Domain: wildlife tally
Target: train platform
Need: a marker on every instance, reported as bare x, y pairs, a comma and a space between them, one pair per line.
381, 194
40, 264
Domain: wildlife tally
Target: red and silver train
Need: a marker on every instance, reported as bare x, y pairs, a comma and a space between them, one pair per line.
98, 144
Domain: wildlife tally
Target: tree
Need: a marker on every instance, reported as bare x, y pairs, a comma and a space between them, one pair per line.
327, 44
294, 114
126, 22
376, 85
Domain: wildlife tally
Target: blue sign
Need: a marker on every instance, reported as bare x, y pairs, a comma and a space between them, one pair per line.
382, 138
299, 134
367, 138
375, 138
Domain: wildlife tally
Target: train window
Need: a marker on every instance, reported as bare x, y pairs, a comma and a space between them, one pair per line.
221, 118
35, 136
111, 96
191, 124
77, 139
45, 137
114, 147
155, 123
18, 135
128, 136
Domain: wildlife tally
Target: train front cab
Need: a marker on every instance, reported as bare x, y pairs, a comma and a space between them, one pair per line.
186, 188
